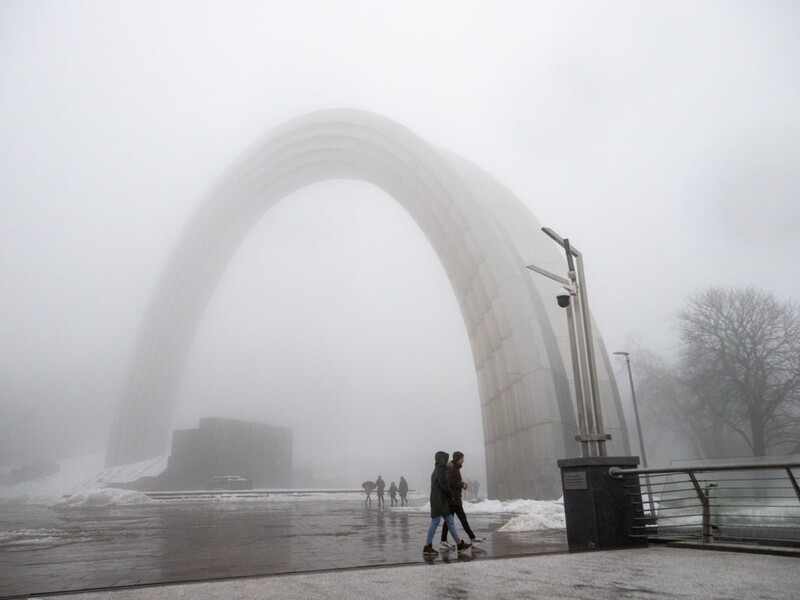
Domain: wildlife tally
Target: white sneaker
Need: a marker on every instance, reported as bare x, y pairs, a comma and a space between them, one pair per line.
446, 546
478, 540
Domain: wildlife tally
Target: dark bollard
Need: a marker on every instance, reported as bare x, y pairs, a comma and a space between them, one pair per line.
599, 509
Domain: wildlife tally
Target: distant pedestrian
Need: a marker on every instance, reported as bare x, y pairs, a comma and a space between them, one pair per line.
393, 494
380, 484
457, 486
440, 506
368, 487
403, 491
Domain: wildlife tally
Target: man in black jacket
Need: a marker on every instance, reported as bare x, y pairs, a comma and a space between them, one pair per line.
457, 486
440, 505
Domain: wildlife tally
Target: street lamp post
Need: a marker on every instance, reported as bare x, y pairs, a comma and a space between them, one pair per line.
597, 508
627, 356
587, 392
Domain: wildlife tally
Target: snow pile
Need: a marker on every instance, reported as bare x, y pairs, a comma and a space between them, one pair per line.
150, 467
538, 516
512, 506
83, 478
47, 490
533, 515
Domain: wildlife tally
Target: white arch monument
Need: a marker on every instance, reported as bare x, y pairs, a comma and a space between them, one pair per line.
484, 237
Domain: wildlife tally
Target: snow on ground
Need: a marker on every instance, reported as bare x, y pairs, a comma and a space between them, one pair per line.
80, 482
127, 473
104, 497
538, 515
40, 537
532, 515
511, 506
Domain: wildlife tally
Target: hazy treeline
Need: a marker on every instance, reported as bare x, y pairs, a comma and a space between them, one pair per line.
734, 389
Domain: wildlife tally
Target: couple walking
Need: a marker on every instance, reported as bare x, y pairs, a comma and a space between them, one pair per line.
446, 488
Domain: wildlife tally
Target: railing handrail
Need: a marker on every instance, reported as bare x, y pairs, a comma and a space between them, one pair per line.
618, 472
704, 492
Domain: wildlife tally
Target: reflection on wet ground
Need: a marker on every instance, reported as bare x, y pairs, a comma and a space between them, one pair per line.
62, 549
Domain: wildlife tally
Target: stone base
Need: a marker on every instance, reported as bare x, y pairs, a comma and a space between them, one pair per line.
599, 509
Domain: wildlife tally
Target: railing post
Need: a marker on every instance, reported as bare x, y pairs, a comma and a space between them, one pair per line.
794, 482
707, 535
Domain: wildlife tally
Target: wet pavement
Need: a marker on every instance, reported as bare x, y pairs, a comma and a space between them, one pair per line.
45, 550
654, 573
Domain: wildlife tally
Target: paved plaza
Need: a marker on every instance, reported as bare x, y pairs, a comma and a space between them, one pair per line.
341, 549
50, 550
654, 573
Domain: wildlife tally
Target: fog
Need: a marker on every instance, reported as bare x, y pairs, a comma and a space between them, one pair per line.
661, 138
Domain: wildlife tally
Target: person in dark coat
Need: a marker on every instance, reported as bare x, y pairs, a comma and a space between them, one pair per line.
403, 491
457, 486
440, 505
379, 485
393, 494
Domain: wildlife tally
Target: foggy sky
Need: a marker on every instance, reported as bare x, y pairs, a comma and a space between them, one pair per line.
661, 138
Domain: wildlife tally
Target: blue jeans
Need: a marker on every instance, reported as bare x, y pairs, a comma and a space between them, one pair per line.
449, 523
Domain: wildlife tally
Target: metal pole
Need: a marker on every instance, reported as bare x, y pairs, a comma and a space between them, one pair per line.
587, 391
627, 356
591, 419
576, 374
586, 344
587, 331
584, 382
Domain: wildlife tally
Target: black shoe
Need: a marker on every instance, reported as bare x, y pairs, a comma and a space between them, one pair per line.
429, 550
462, 546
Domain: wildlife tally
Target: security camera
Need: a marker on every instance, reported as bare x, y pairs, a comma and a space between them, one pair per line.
563, 299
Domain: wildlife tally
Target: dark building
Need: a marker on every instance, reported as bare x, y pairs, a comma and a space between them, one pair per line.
222, 453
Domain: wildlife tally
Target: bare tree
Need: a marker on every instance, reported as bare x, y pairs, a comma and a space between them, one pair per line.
675, 422
739, 371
